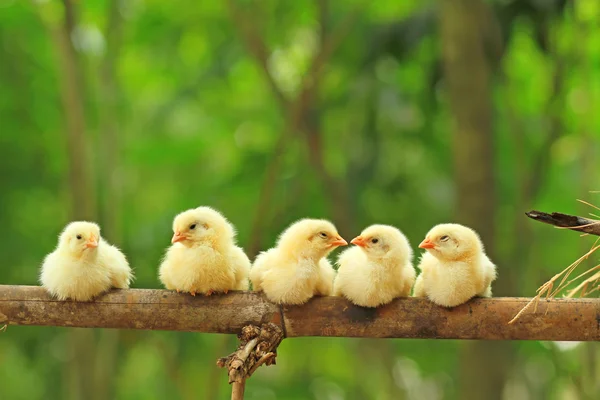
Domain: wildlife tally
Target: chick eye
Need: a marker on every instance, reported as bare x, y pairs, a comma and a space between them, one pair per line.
323, 235
374, 241
444, 238
78, 237
193, 226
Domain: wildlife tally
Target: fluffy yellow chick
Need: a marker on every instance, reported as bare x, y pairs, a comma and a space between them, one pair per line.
455, 267
204, 257
378, 270
84, 265
297, 269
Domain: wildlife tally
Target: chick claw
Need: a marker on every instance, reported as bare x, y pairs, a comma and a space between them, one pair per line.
225, 291
210, 292
193, 293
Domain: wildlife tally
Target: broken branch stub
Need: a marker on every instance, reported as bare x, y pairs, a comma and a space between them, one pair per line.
257, 346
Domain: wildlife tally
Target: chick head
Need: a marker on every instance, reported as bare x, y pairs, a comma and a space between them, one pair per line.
313, 238
451, 242
379, 241
80, 237
202, 226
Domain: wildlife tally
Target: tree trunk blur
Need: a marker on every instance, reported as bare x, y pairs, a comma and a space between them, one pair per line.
79, 373
483, 365
588, 386
109, 179
71, 83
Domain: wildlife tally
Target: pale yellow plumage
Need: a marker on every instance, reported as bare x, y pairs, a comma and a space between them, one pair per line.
84, 265
378, 270
455, 267
297, 269
204, 257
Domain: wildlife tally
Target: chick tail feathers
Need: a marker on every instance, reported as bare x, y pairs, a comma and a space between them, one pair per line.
241, 263
491, 275
337, 287
486, 293
121, 279
164, 276
259, 267
324, 285
419, 290
406, 287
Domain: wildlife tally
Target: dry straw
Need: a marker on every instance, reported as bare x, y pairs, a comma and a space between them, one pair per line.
589, 280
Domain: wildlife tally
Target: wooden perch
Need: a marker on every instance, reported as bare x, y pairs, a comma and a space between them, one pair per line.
556, 319
573, 222
257, 346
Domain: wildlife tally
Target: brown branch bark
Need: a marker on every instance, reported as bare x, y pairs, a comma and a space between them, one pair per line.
556, 319
257, 346
237, 390
572, 222
265, 358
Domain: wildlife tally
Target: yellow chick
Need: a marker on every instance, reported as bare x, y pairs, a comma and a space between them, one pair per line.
204, 257
84, 265
378, 270
297, 269
455, 267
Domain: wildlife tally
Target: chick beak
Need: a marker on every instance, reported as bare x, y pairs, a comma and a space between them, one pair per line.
426, 244
177, 237
359, 241
92, 242
339, 241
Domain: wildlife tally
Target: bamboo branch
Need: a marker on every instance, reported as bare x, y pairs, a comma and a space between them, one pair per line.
555, 319
572, 222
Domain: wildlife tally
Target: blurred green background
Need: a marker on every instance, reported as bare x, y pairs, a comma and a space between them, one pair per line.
404, 112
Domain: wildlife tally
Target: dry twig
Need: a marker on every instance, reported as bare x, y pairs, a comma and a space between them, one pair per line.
257, 346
